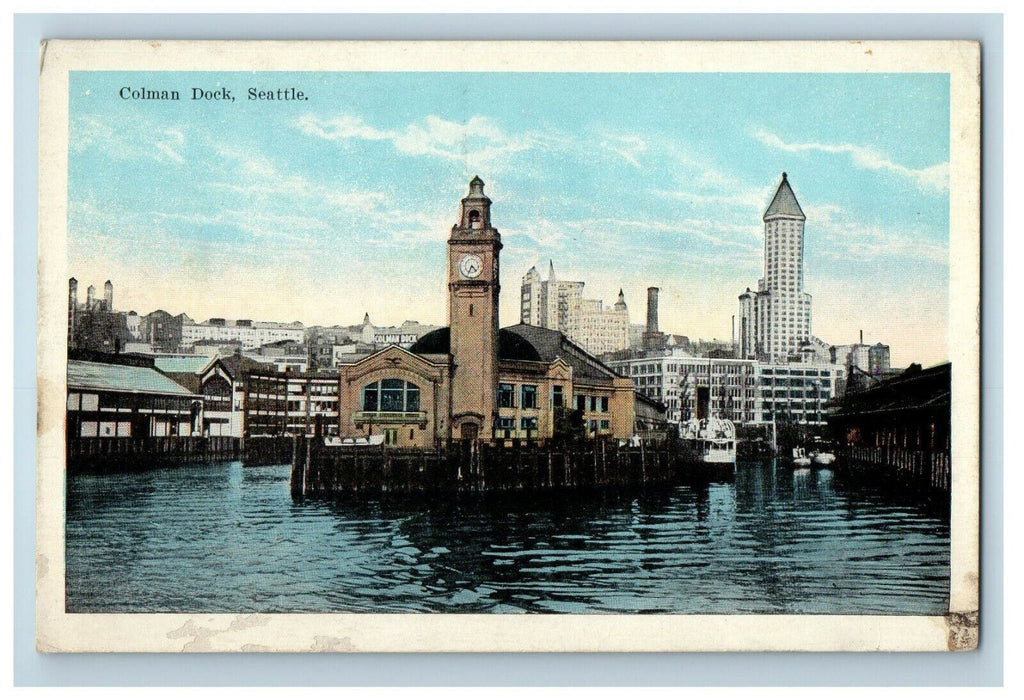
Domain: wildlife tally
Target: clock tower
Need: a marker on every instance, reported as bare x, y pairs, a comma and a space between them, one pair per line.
473, 317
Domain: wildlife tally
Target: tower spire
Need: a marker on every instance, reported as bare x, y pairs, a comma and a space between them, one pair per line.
784, 204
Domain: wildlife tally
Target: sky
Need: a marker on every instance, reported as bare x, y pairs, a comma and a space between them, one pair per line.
323, 209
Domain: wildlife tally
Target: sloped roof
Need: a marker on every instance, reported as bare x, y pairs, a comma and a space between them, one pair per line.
237, 365
510, 345
180, 365
784, 203
100, 376
189, 380
552, 345
524, 343
915, 389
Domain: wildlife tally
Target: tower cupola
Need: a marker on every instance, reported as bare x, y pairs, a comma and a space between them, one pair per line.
476, 207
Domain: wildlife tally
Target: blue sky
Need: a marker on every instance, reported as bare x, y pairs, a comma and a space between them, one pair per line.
321, 210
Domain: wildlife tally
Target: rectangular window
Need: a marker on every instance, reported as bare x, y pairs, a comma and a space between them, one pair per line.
528, 423
391, 395
604, 404
605, 425
593, 404
390, 436
529, 396
370, 398
412, 398
556, 396
90, 402
580, 402
74, 401
506, 396
592, 426
506, 423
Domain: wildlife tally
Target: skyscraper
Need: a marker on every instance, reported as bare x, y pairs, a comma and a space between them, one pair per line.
775, 321
559, 305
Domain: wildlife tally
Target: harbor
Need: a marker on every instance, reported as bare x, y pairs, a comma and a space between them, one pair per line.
223, 537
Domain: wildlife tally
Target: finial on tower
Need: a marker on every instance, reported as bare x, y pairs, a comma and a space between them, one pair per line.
783, 175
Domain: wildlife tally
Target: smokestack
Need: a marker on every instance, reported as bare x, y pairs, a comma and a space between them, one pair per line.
652, 310
862, 336
652, 338
108, 295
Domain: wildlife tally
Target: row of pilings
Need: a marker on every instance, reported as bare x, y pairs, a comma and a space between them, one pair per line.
470, 467
922, 469
130, 454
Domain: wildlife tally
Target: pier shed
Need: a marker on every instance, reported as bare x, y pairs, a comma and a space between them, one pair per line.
126, 396
900, 425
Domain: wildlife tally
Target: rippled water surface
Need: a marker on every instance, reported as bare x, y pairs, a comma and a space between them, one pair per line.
223, 538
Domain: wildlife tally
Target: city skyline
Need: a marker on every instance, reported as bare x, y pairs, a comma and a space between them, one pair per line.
323, 210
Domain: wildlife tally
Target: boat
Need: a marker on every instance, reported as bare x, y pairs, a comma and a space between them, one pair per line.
800, 458
823, 459
713, 439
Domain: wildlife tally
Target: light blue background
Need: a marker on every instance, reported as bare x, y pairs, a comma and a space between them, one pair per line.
981, 668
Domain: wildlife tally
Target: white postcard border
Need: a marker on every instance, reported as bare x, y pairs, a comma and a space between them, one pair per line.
60, 631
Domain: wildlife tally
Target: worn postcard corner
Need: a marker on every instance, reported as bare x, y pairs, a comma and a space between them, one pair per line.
508, 346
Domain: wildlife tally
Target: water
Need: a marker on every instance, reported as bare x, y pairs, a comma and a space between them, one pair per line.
223, 538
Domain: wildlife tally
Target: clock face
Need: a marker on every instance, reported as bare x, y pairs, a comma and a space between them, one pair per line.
470, 266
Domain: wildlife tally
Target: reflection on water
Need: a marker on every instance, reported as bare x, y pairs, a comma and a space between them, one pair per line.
222, 538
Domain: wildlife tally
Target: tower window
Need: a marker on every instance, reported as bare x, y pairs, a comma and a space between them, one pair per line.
474, 219
470, 309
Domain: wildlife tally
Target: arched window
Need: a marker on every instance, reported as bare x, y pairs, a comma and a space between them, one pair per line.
391, 395
474, 219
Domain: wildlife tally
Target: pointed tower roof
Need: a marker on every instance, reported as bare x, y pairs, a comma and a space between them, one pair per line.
551, 270
621, 303
784, 203
476, 188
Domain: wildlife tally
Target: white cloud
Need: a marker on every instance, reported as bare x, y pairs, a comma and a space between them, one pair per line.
934, 177
478, 142
626, 147
846, 239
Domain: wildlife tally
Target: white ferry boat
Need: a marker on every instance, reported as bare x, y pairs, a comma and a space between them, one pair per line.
713, 439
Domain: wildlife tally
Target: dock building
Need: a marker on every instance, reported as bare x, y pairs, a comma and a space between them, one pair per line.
473, 380
126, 396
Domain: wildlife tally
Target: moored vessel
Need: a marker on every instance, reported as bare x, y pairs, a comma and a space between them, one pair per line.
713, 439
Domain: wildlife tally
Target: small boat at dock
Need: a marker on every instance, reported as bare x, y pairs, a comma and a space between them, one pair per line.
800, 458
822, 459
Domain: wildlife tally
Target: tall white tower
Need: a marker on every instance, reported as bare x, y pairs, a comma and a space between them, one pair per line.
776, 321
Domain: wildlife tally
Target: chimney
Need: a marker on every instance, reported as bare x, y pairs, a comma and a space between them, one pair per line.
652, 338
652, 309
862, 336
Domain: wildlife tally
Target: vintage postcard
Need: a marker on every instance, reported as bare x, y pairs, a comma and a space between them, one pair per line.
508, 346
